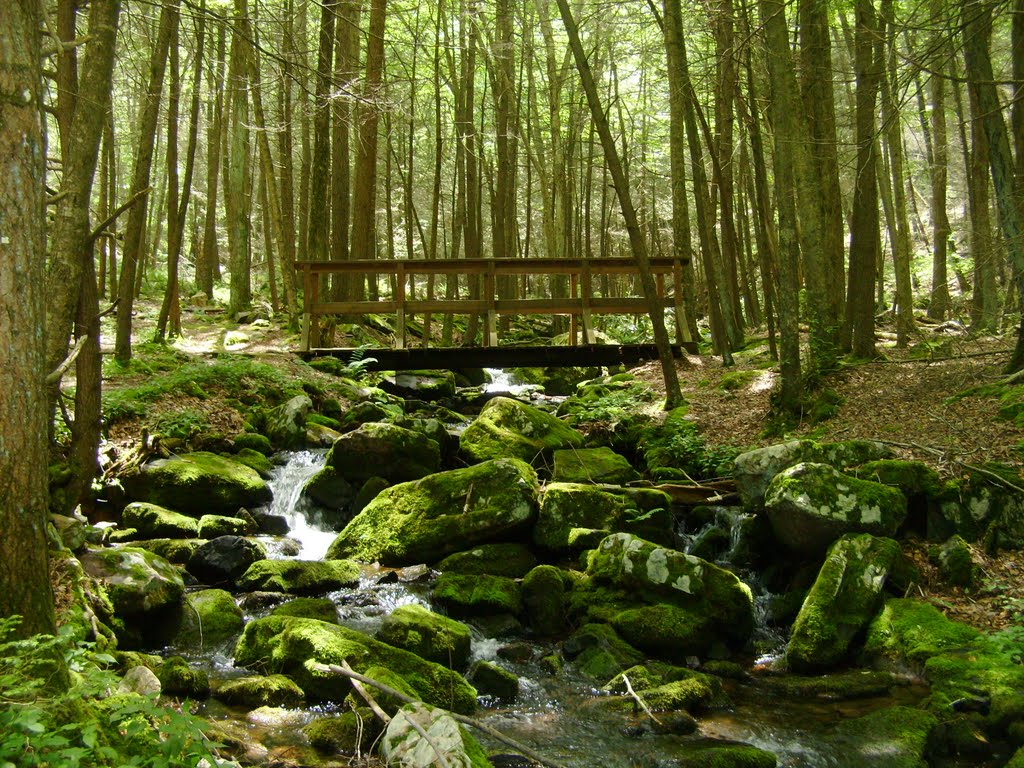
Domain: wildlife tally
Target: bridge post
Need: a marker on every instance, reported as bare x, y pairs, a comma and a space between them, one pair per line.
491, 319
682, 326
307, 306
589, 337
400, 306
574, 286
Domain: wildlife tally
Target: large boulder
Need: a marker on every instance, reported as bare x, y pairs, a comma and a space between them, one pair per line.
906, 633
213, 526
425, 520
506, 559
210, 618
465, 595
670, 603
224, 559
593, 465
894, 737
420, 385
286, 424
198, 484
257, 691
294, 646
427, 634
435, 734
299, 577
138, 582
377, 449
507, 427
156, 522
811, 505
844, 598
577, 517
755, 469
543, 595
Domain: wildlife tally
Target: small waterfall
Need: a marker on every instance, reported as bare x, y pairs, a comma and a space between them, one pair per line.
286, 482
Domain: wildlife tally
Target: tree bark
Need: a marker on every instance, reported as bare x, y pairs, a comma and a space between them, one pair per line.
24, 576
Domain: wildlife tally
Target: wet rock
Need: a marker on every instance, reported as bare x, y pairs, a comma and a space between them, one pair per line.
255, 460
895, 737
469, 595
426, 520
599, 652
210, 618
908, 632
224, 559
517, 652
344, 733
378, 449
846, 686
177, 678
253, 441
755, 469
258, 691
429, 635
811, 505
715, 753
139, 583
403, 745
543, 595
198, 483
491, 680
286, 424
299, 577
507, 427
141, 680
420, 385
319, 608
292, 646
320, 435
271, 525
844, 598
212, 526
155, 522
956, 562
72, 532
578, 517
508, 559
592, 465
329, 489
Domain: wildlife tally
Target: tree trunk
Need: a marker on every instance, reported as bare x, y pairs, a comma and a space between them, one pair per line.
24, 575
673, 394
237, 193
938, 306
209, 254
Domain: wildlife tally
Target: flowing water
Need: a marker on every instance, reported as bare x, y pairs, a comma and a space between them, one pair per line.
561, 716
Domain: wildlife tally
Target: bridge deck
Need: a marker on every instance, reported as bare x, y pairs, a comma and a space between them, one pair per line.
417, 358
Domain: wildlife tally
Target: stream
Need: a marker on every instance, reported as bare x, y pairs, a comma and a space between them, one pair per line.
559, 716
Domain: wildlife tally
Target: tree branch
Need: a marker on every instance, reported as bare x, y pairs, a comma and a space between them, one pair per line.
58, 373
117, 212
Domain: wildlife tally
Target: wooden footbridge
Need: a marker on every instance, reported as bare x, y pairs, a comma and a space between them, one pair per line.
407, 288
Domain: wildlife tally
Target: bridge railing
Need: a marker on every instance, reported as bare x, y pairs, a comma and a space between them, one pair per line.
484, 275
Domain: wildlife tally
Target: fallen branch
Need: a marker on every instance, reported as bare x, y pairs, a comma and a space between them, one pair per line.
371, 702
999, 479
58, 373
537, 758
117, 212
638, 700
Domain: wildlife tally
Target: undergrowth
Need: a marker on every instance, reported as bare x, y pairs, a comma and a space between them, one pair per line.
44, 722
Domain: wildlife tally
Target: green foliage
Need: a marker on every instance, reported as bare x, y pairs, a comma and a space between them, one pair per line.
356, 368
675, 450
607, 399
248, 382
43, 724
181, 424
148, 359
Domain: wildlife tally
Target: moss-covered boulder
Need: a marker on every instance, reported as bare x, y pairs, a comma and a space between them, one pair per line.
715, 753
330, 489
956, 562
176, 551
506, 559
755, 469
255, 460
177, 678
198, 484
348, 733
543, 593
209, 619
427, 634
908, 632
252, 441
258, 691
425, 520
138, 582
844, 598
811, 505
894, 737
593, 465
212, 526
555, 380
493, 681
405, 744
667, 588
155, 522
599, 653
420, 385
224, 559
507, 427
468, 595
378, 449
913, 478
319, 608
299, 577
576, 517
293, 646
841, 686
692, 691
286, 424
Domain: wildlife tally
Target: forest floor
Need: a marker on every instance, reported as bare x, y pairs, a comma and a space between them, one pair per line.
906, 398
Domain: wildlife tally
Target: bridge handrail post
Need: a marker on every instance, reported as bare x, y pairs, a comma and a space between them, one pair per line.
400, 305
491, 319
307, 308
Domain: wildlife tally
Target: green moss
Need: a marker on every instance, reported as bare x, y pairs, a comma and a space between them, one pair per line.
212, 526
324, 421
253, 441
388, 702
258, 691
912, 631
299, 577
914, 478
956, 562
199, 483
707, 753
543, 592
344, 733
288, 645
843, 686
592, 465
254, 460
844, 598
896, 737
377, 449
425, 520
599, 653
1017, 761
693, 692
575, 516
477, 593
491, 680
607, 399
429, 635
507, 427
319, 608
153, 521
512, 560
210, 617
666, 631
675, 450
177, 551
177, 678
